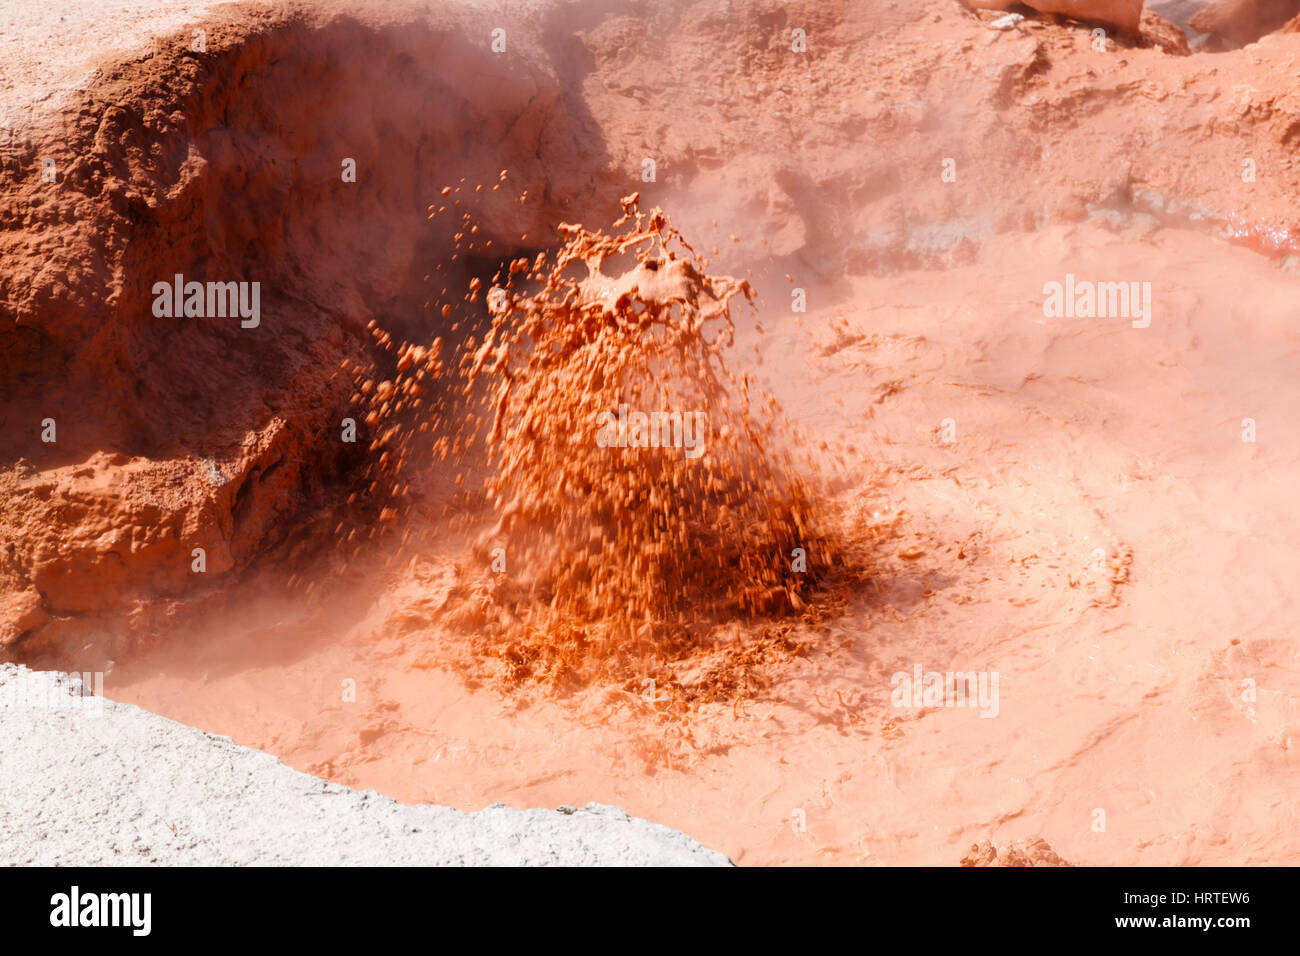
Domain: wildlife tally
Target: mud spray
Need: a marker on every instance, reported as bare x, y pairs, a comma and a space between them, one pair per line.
645, 495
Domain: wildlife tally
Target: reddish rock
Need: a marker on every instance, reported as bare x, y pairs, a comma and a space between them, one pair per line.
1160, 33
1032, 852
19, 613
1238, 22
1122, 14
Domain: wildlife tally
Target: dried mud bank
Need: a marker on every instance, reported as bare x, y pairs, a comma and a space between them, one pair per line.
215, 431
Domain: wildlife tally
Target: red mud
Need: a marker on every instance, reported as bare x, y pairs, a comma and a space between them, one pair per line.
1065, 501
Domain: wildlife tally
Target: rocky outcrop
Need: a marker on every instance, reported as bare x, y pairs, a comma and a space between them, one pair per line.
1160, 33
1238, 22
148, 457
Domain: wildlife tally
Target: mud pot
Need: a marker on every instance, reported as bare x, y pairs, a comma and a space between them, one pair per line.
880, 451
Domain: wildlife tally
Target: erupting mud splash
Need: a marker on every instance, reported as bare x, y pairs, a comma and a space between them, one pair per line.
642, 488
644, 493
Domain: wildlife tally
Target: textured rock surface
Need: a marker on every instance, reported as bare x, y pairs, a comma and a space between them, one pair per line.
1237, 22
1032, 852
1123, 14
87, 781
